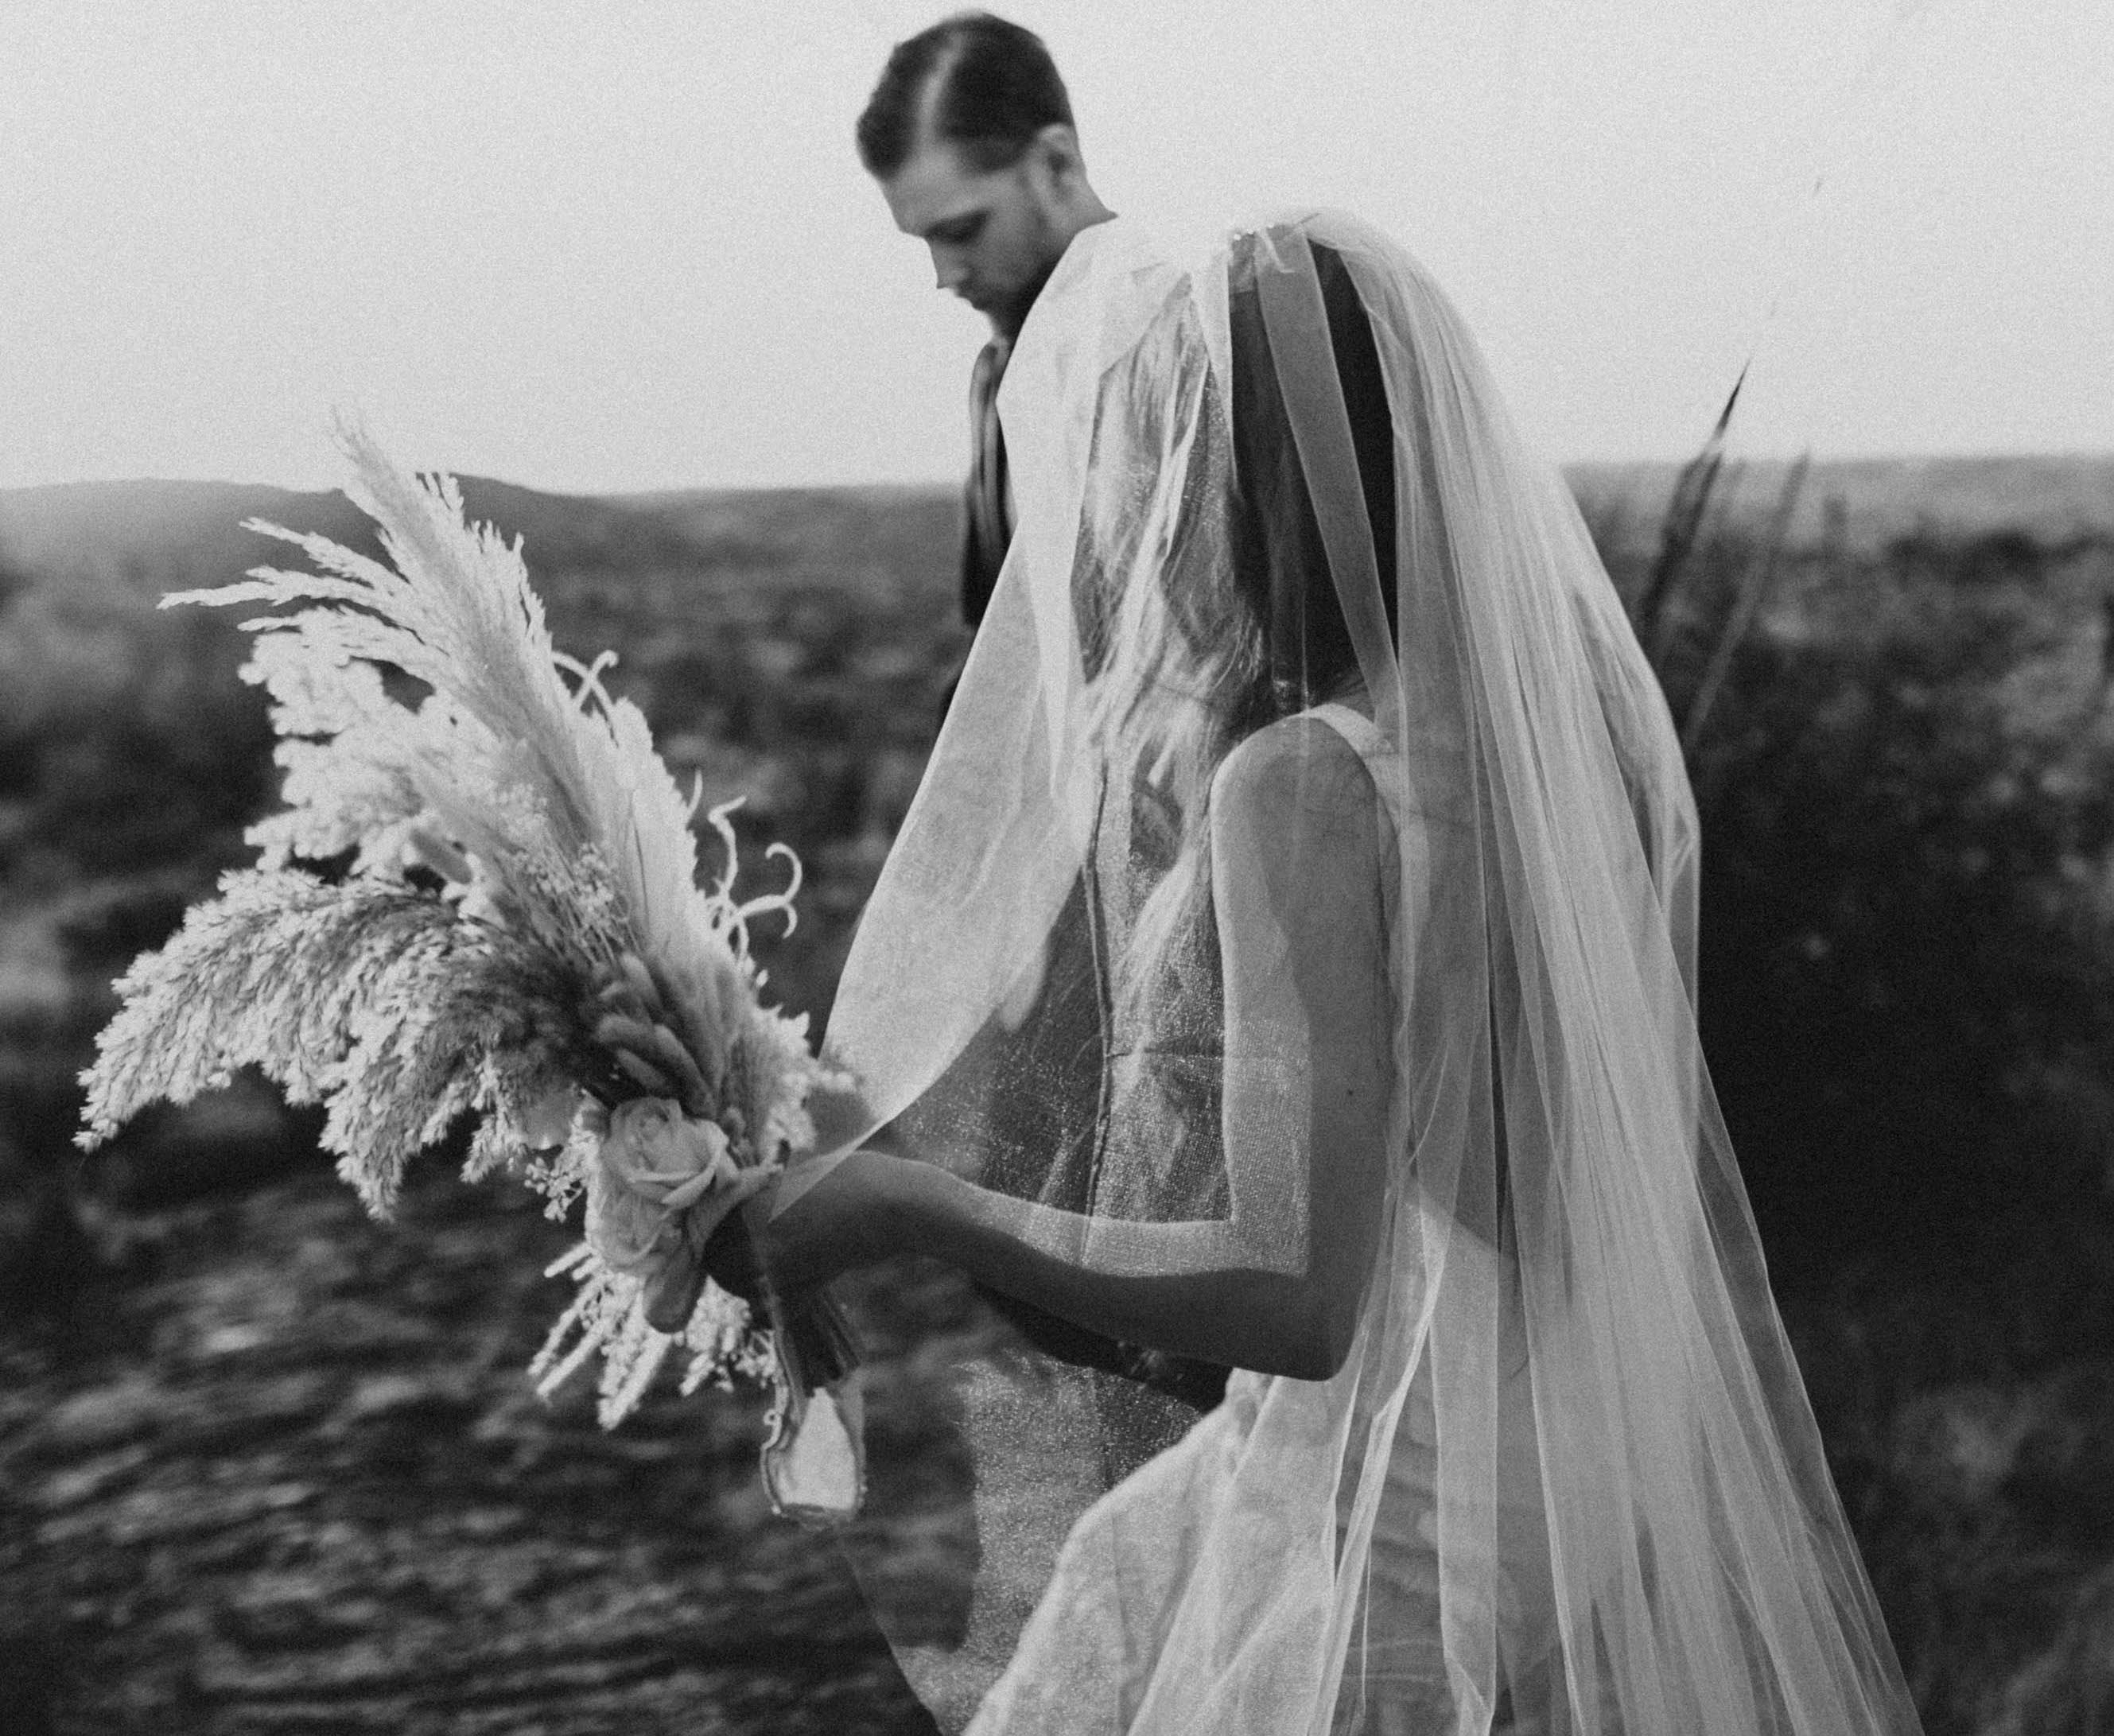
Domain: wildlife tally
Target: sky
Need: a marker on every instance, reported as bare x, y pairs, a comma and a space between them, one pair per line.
601, 246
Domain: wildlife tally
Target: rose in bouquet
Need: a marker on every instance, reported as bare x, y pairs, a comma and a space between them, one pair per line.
482, 899
655, 1163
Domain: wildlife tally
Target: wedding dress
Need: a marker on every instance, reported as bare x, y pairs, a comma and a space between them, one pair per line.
1286, 590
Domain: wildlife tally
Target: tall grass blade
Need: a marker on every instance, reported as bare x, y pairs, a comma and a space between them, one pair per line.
1754, 588
1679, 532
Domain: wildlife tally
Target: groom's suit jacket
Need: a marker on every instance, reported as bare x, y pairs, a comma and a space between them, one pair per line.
1068, 1040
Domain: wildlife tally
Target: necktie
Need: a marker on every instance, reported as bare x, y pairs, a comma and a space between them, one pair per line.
990, 526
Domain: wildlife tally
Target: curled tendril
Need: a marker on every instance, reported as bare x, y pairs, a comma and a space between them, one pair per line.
778, 901
717, 819
739, 914
588, 676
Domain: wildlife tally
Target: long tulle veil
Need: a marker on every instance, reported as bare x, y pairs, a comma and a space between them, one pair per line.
1566, 1478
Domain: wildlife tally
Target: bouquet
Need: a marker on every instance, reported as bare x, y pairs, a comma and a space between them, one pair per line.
481, 899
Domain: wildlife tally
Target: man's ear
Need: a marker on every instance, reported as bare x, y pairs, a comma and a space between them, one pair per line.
1056, 150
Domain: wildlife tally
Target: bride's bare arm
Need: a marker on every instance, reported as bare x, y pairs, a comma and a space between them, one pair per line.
1297, 873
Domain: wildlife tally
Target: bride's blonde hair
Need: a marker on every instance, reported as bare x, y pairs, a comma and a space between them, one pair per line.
1239, 626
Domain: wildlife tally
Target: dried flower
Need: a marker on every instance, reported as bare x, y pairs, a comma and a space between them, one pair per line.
654, 1149
652, 1154
552, 952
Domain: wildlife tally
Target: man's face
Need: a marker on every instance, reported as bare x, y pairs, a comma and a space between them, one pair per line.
994, 236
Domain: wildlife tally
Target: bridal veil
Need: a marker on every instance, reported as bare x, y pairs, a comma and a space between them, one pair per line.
1566, 1478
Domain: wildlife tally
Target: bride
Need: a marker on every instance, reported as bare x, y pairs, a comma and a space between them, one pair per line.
1288, 965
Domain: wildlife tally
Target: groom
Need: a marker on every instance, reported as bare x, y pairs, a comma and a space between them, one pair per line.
969, 134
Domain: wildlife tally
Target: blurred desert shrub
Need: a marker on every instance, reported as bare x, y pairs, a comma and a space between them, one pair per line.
126, 741
1905, 773
130, 760
1906, 781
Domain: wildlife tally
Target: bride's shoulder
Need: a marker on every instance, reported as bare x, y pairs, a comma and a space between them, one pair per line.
1298, 766
1296, 821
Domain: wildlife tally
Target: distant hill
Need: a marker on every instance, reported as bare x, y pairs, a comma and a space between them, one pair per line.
173, 534
2053, 500
168, 534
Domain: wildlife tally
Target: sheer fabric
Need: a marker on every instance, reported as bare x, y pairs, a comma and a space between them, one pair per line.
1306, 740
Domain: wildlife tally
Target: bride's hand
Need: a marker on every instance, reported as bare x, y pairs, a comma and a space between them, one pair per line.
843, 1220
712, 1226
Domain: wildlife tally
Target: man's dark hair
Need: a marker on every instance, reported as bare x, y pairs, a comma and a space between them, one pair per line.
990, 85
